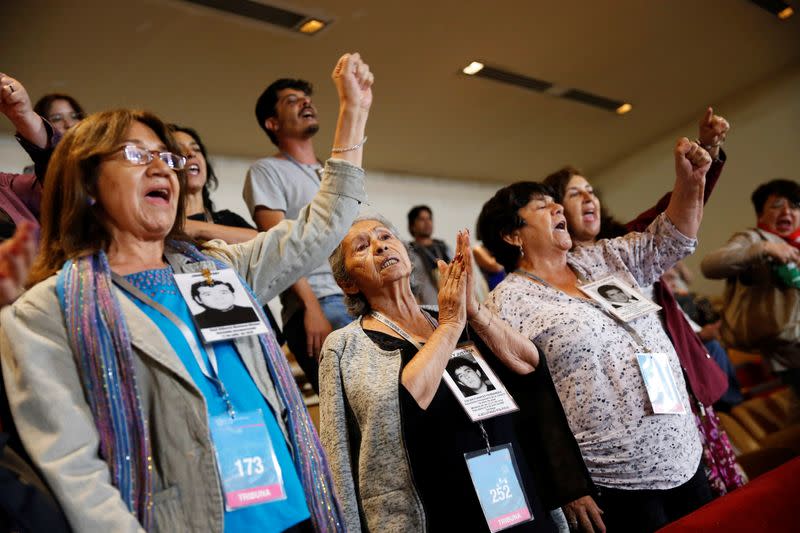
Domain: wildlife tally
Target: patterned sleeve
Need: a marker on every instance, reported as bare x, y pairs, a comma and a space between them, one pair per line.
648, 254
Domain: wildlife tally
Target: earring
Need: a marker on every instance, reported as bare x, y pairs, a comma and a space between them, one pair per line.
91, 201
521, 252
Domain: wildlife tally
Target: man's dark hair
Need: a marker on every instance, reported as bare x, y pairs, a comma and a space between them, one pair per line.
603, 290
458, 362
265, 105
500, 217
788, 189
414, 213
196, 287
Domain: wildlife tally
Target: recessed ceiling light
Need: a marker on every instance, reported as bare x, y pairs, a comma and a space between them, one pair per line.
624, 108
311, 26
779, 8
473, 68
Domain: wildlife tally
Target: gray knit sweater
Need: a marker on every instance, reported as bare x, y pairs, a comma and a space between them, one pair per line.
361, 431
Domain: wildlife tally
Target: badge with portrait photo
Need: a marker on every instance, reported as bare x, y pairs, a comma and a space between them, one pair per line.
220, 305
495, 477
479, 391
619, 298
660, 384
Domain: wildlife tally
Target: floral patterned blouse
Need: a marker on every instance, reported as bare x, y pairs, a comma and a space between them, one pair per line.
593, 362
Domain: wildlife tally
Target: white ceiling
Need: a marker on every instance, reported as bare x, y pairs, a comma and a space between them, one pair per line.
204, 69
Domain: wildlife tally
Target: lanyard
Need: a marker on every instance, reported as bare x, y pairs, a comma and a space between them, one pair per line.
637, 339
316, 176
190, 338
400, 331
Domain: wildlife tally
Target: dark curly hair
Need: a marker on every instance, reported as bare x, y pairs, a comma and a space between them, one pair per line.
500, 217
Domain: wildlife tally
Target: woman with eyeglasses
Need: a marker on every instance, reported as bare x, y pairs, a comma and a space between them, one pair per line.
61, 110
135, 422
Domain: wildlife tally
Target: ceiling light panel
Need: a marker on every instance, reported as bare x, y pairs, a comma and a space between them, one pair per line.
277, 16
480, 70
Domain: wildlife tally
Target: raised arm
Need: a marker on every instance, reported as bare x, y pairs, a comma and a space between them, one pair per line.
276, 259
713, 130
35, 134
685, 208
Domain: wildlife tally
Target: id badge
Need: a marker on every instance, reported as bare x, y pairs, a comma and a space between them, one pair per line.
496, 479
619, 298
247, 464
221, 307
660, 384
479, 391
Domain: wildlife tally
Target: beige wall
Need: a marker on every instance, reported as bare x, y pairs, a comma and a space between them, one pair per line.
764, 143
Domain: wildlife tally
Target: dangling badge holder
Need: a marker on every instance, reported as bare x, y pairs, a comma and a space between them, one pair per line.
496, 479
248, 467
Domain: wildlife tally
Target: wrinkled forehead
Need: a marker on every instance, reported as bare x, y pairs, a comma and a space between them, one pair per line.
364, 228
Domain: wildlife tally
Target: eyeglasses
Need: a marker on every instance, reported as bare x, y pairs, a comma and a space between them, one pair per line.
140, 156
60, 117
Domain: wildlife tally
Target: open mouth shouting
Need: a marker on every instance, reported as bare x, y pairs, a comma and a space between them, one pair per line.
158, 194
784, 224
193, 169
388, 262
308, 112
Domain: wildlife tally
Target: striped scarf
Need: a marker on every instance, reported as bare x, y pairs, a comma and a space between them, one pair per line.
99, 339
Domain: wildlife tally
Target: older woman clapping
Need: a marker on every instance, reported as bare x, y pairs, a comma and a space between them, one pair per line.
395, 433
647, 465
134, 420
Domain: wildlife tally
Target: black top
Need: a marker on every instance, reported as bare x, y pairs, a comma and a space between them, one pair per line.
214, 318
224, 218
437, 439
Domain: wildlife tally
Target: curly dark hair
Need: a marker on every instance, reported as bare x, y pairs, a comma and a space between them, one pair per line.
265, 105
500, 217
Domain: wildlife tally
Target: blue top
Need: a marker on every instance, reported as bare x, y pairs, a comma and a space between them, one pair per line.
245, 396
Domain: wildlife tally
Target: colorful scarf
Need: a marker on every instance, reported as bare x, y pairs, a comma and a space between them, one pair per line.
793, 238
99, 339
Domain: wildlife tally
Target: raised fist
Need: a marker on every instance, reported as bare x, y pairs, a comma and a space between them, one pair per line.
353, 81
691, 161
14, 100
713, 130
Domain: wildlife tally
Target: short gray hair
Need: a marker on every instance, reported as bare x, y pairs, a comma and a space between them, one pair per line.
356, 304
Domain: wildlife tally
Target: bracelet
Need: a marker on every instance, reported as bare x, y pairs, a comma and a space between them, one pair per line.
707, 147
338, 150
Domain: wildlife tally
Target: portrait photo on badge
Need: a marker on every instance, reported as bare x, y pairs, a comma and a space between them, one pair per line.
479, 391
619, 298
220, 305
